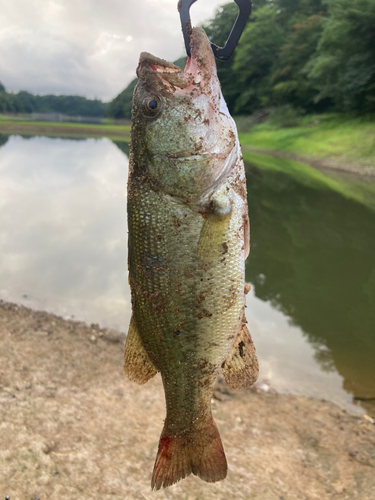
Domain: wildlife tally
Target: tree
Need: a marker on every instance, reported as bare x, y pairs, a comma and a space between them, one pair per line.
292, 12
25, 102
312, 54
254, 58
344, 67
7, 102
218, 30
121, 105
289, 78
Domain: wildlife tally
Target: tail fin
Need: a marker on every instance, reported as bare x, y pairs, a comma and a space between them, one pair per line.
198, 451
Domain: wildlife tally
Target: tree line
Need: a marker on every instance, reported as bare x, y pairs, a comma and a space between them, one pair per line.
313, 55
25, 102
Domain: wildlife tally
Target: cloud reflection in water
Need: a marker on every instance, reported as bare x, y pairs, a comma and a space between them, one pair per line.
63, 231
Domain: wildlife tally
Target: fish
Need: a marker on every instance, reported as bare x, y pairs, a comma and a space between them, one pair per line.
188, 240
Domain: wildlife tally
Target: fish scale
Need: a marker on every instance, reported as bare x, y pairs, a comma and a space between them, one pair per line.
182, 279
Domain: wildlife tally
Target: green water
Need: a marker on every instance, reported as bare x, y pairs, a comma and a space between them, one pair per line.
313, 258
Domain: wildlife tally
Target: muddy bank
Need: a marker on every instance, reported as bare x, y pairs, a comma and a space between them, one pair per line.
72, 426
321, 164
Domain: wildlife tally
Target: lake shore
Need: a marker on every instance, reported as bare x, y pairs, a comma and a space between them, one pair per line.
262, 141
65, 129
74, 426
343, 165
332, 142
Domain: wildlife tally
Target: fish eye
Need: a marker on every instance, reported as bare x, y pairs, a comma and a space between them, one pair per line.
152, 106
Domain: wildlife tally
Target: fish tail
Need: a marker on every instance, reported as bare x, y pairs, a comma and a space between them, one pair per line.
198, 451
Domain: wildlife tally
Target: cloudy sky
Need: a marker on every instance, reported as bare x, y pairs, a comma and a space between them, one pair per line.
87, 47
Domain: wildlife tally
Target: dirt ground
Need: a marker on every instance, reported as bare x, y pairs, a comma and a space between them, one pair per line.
73, 427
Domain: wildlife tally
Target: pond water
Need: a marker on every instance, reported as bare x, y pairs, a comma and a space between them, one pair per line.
63, 236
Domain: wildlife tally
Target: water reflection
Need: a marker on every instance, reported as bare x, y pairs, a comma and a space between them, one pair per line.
123, 146
63, 245
3, 139
287, 360
63, 227
312, 258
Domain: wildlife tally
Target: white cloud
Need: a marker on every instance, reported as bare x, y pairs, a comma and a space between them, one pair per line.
87, 47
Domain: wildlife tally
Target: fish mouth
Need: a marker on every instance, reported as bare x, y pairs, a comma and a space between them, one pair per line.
153, 63
200, 67
156, 71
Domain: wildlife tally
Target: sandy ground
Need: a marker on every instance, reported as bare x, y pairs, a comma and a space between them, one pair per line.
73, 427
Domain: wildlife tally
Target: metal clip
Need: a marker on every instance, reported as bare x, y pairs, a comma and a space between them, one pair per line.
222, 53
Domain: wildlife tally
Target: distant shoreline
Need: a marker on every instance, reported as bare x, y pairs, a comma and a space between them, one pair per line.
281, 143
65, 129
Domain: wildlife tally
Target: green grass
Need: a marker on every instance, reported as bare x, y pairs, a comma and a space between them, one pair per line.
320, 136
28, 127
361, 191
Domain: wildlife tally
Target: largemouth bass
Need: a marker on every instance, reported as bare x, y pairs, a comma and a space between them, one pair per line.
188, 240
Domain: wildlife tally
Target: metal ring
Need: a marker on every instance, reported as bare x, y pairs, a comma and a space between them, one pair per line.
222, 53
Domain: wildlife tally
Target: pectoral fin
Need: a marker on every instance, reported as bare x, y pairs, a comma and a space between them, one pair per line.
212, 240
241, 368
137, 365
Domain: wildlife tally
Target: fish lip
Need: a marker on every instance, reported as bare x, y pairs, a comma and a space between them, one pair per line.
156, 65
201, 58
156, 71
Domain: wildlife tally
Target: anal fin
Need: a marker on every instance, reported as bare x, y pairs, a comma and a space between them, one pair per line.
137, 365
241, 368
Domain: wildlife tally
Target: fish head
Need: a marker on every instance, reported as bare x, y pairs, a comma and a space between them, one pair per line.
183, 136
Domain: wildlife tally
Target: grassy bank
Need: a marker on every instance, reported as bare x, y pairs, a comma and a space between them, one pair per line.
328, 140
63, 129
357, 188
331, 138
